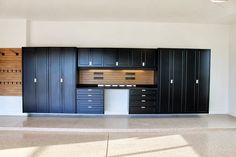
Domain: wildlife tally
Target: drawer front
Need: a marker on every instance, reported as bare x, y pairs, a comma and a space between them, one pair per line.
143, 97
142, 110
89, 96
143, 91
90, 110
142, 103
89, 101
89, 91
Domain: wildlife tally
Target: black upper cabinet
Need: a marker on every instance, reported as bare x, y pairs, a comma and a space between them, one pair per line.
124, 57
110, 57
117, 58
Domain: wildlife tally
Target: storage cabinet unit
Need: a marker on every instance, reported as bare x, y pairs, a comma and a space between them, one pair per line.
180, 88
49, 80
117, 58
143, 101
90, 101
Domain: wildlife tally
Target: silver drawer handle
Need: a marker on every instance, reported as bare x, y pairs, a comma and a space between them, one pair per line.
143, 101
143, 95
61, 80
143, 107
90, 107
90, 62
143, 64
89, 100
171, 81
117, 63
89, 95
35, 80
143, 90
89, 89
197, 81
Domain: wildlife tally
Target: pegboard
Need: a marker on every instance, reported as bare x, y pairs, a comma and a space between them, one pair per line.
10, 71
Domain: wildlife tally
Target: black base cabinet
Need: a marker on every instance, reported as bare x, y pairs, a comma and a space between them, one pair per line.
184, 80
142, 101
90, 101
49, 80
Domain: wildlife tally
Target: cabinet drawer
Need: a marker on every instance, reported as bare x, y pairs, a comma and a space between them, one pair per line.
90, 110
89, 96
143, 91
89, 91
90, 101
141, 103
143, 97
142, 110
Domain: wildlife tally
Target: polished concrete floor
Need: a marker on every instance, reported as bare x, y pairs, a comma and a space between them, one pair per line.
118, 136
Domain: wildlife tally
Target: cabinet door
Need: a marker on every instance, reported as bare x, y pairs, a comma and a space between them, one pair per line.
109, 57
96, 57
177, 98
165, 69
29, 97
68, 70
190, 79
203, 81
42, 80
55, 105
150, 57
137, 58
83, 57
124, 57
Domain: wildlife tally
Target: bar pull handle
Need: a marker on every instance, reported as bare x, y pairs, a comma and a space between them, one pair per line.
143, 95
90, 63
171, 81
143, 101
61, 80
35, 80
143, 64
197, 81
90, 107
89, 95
117, 63
143, 107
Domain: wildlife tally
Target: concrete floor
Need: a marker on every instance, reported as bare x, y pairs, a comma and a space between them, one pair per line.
171, 136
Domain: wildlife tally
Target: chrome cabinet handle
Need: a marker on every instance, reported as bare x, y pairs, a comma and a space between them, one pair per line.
143, 101
171, 81
90, 62
143, 90
143, 64
61, 80
35, 80
117, 63
89, 95
90, 107
143, 95
143, 107
89, 100
197, 81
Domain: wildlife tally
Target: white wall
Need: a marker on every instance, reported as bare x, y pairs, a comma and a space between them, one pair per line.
153, 35
232, 75
125, 34
12, 34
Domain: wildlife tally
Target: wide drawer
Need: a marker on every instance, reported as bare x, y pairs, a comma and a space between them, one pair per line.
143, 91
142, 102
142, 110
90, 110
89, 96
89, 91
90, 101
143, 97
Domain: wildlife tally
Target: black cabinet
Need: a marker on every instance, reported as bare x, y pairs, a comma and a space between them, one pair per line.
90, 101
117, 58
49, 77
143, 101
184, 81
110, 57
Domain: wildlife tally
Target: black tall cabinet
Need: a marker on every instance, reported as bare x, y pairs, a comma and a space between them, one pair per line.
184, 76
49, 80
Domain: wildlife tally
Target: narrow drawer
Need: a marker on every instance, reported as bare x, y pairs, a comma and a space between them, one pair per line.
89, 91
90, 101
143, 91
143, 102
142, 110
90, 110
90, 96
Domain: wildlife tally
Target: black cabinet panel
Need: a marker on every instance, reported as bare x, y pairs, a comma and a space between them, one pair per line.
124, 57
55, 101
83, 56
190, 77
110, 57
164, 79
29, 97
42, 80
137, 58
150, 58
203, 81
69, 79
96, 57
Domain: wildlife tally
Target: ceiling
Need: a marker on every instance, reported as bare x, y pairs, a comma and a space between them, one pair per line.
191, 11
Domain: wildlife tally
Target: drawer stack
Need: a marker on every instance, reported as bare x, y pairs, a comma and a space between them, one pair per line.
143, 101
90, 101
